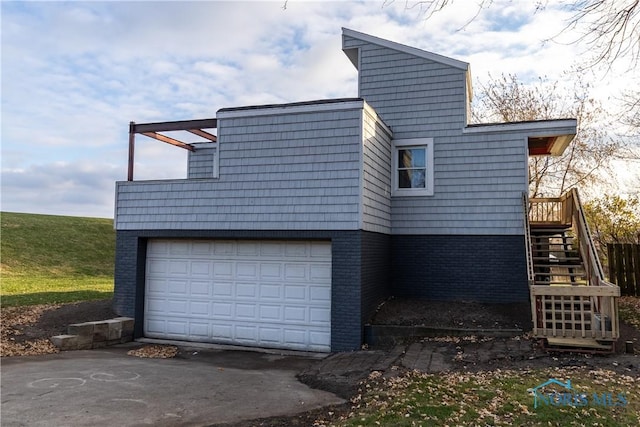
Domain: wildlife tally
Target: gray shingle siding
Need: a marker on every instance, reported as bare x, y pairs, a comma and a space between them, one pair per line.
201, 162
288, 171
478, 189
376, 175
413, 95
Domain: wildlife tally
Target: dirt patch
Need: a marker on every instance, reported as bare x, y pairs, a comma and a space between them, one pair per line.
26, 330
453, 314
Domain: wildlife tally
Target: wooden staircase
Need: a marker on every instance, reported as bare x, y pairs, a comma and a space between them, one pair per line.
555, 259
573, 307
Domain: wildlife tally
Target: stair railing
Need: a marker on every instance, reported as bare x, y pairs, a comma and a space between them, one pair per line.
595, 272
527, 234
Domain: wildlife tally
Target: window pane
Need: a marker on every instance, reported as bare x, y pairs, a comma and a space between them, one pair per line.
412, 158
412, 178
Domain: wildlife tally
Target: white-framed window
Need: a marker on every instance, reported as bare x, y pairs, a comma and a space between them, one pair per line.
412, 167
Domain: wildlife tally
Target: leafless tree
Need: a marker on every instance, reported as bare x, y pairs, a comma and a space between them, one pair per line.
610, 29
505, 99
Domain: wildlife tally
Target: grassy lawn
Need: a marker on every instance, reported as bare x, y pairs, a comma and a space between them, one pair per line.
496, 398
54, 259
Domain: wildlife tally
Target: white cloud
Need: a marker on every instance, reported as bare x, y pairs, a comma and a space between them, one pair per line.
75, 73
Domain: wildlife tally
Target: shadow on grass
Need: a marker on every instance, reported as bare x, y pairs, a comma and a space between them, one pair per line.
52, 297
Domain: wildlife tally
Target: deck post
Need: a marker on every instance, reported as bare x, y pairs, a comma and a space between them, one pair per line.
132, 143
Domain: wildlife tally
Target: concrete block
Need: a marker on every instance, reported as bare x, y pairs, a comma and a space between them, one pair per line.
65, 342
84, 342
81, 329
115, 329
100, 332
127, 324
99, 344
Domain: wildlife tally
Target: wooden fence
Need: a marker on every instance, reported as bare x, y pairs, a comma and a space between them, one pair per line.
624, 267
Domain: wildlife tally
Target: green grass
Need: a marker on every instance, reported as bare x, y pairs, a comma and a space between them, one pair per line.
55, 259
497, 398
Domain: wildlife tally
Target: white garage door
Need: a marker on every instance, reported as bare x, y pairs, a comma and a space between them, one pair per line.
257, 293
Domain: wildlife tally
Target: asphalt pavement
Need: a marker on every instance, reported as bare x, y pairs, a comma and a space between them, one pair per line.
110, 388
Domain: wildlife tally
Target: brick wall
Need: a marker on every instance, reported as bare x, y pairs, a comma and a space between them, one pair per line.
490, 269
376, 272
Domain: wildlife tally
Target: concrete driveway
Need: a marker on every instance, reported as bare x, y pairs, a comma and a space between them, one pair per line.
109, 388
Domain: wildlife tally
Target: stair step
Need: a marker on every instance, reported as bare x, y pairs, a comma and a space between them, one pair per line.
573, 344
555, 273
556, 283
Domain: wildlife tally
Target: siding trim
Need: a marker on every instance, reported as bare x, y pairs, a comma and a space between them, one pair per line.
269, 110
569, 126
361, 172
406, 49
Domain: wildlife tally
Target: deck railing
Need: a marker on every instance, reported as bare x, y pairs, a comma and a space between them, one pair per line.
578, 311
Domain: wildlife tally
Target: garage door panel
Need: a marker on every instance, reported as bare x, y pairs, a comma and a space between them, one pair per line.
248, 249
297, 272
247, 271
247, 290
295, 336
320, 250
271, 335
199, 289
271, 313
177, 327
270, 272
270, 291
177, 287
246, 334
223, 270
319, 294
156, 286
260, 293
222, 290
296, 249
222, 310
177, 307
295, 314
319, 339
157, 267
200, 268
155, 327
199, 308
246, 312
222, 332
180, 247
156, 305
295, 293
197, 329
319, 316
319, 273
178, 267
272, 249
201, 248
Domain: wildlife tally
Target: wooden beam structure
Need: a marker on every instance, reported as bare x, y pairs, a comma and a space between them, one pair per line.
168, 140
152, 130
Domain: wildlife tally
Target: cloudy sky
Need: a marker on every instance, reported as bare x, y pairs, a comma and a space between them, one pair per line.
74, 74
